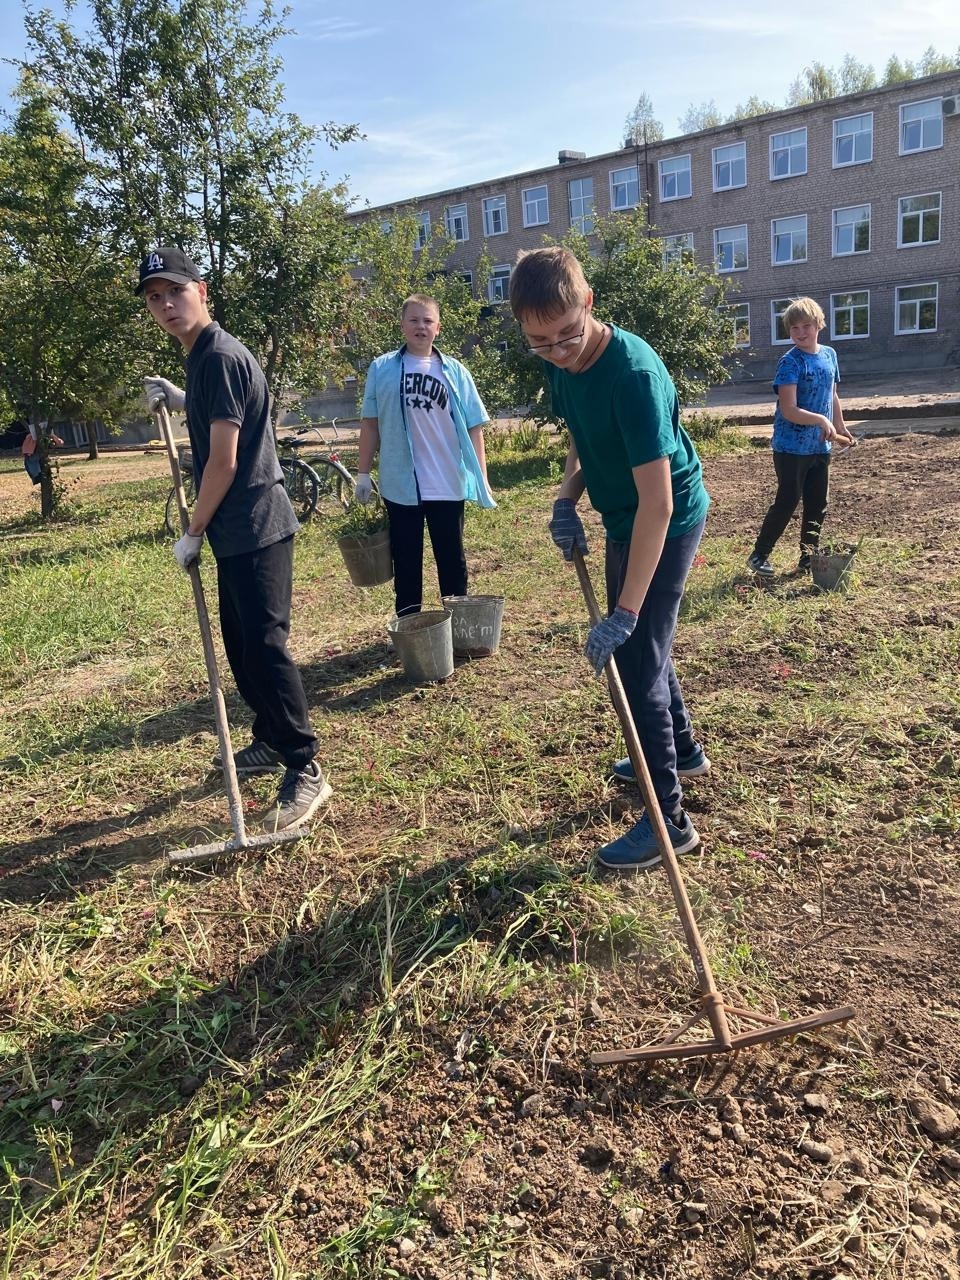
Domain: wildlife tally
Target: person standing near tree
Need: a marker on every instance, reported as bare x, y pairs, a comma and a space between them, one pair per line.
422, 413
631, 455
243, 510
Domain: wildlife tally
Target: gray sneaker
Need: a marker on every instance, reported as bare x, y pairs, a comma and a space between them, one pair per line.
760, 565
301, 794
255, 758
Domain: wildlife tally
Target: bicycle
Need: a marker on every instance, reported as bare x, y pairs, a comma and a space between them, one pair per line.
323, 483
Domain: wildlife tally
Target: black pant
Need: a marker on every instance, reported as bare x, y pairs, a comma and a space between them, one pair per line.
445, 525
254, 593
803, 476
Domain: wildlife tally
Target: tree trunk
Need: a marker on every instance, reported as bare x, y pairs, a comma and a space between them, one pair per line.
48, 497
94, 448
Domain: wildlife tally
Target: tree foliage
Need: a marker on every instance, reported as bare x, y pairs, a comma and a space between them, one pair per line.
705, 116
641, 125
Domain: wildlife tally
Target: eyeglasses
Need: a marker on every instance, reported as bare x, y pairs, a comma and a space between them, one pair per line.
543, 348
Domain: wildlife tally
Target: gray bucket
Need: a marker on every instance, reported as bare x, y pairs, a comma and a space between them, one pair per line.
424, 642
831, 568
476, 624
367, 557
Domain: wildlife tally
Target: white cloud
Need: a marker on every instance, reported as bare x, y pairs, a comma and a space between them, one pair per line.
335, 29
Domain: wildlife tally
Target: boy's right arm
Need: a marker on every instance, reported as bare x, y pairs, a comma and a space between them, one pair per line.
787, 396
369, 445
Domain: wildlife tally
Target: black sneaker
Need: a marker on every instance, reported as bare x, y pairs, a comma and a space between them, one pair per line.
760, 565
804, 563
255, 758
301, 794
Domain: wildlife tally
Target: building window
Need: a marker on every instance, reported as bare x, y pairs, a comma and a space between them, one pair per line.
495, 216
730, 248
779, 333
850, 314
851, 230
918, 220
675, 180
678, 248
788, 240
580, 198
921, 126
737, 316
423, 230
536, 208
730, 166
916, 308
788, 154
499, 283
458, 228
624, 188
386, 226
853, 140
466, 277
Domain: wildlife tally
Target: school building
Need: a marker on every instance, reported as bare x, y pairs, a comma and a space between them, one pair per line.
854, 201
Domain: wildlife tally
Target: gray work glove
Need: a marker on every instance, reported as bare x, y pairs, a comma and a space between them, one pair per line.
608, 635
566, 528
364, 488
187, 549
159, 390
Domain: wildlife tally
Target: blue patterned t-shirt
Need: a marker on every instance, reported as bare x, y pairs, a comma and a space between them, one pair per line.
814, 374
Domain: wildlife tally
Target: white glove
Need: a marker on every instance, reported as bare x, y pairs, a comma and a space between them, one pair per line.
187, 549
159, 389
364, 488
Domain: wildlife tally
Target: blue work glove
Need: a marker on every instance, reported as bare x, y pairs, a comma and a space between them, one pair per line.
187, 549
566, 528
608, 635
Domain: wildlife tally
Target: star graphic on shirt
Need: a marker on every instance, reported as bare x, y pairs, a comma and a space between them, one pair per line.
417, 403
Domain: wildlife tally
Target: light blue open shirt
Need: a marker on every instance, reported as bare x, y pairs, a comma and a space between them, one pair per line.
382, 399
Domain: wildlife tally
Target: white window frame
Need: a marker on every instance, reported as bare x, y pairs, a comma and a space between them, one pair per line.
586, 215
848, 337
851, 133
466, 277
731, 185
746, 248
675, 253
676, 174
732, 307
498, 284
850, 253
935, 114
919, 213
791, 261
494, 207
423, 230
533, 202
624, 184
789, 149
457, 213
776, 313
916, 302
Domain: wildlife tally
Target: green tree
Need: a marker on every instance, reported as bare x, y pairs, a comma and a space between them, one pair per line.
705, 116
855, 76
641, 125
896, 72
816, 83
932, 62
753, 106
69, 332
180, 104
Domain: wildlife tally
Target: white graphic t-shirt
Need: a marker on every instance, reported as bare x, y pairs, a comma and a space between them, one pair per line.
433, 436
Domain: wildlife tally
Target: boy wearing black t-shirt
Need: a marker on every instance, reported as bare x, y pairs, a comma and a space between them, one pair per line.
243, 509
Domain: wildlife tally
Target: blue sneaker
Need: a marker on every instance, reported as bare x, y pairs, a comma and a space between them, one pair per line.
638, 850
695, 765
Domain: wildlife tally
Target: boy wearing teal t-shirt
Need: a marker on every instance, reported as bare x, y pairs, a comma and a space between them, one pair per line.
641, 472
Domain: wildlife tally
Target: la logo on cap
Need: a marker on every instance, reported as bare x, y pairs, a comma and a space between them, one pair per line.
155, 262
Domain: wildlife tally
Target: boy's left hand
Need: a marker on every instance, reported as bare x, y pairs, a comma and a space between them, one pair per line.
608, 635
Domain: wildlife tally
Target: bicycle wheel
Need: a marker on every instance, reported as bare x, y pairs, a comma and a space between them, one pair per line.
302, 485
336, 486
171, 515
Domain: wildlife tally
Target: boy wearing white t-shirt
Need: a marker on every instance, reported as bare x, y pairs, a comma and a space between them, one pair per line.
422, 413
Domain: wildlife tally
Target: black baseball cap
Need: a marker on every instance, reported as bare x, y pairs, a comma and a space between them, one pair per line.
167, 263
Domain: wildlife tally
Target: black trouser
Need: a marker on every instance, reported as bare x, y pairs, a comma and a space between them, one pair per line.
254, 593
803, 476
445, 525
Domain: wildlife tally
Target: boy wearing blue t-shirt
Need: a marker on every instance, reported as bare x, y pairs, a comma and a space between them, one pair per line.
808, 417
642, 473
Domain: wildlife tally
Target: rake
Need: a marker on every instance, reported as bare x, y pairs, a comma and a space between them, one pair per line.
241, 840
714, 1009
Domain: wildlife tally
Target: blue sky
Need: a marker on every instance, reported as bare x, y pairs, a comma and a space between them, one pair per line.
483, 88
